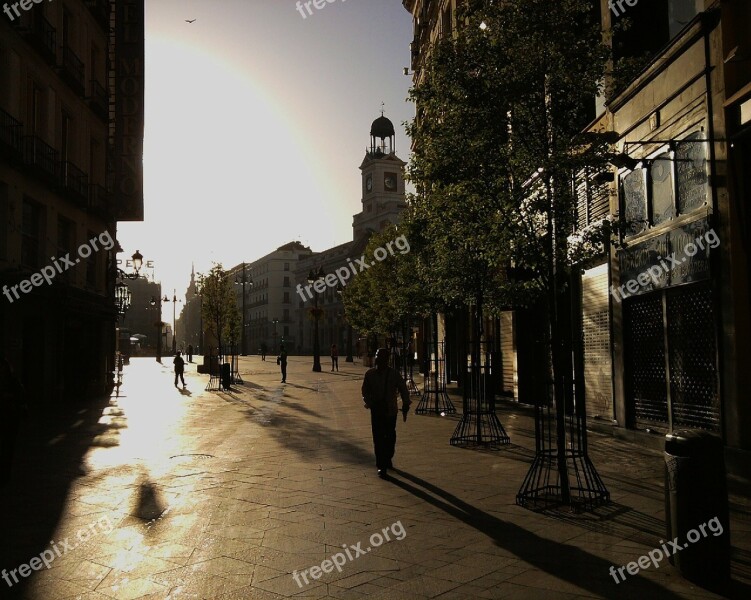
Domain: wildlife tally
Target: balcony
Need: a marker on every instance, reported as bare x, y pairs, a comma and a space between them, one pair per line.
72, 70
43, 37
100, 9
414, 47
10, 136
98, 100
99, 201
75, 182
41, 158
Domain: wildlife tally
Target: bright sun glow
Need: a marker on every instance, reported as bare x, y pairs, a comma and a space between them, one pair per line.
221, 163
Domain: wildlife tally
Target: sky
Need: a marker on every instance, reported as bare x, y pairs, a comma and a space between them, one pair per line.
257, 120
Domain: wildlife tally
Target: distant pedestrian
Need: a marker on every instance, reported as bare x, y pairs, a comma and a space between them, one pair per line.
281, 360
379, 391
179, 363
264, 349
334, 357
12, 407
190, 353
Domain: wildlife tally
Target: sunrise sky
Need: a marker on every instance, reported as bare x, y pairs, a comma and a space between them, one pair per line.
256, 123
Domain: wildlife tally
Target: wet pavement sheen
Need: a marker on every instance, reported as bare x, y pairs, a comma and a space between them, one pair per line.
170, 493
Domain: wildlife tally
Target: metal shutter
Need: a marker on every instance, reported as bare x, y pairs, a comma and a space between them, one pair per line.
598, 377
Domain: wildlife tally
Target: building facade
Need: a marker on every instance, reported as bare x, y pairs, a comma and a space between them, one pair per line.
382, 202
664, 308
63, 185
269, 304
679, 278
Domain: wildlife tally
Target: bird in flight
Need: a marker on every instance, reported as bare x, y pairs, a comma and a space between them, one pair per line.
190, 21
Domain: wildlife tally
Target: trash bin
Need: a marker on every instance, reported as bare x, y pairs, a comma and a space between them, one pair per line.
226, 376
696, 506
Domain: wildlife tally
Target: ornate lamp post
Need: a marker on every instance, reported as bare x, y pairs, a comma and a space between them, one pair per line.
158, 324
174, 304
244, 281
275, 321
313, 278
350, 358
137, 259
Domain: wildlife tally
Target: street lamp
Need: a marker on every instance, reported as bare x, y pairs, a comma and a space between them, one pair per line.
137, 259
350, 358
158, 325
245, 280
313, 278
275, 321
174, 332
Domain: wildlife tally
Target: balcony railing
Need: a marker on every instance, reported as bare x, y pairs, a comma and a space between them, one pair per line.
75, 182
98, 100
72, 70
10, 135
101, 11
41, 157
43, 36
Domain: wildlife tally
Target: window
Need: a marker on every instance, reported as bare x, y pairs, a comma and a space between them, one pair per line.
65, 136
31, 234
286, 266
634, 194
66, 240
672, 183
3, 220
286, 332
285, 316
35, 120
286, 298
692, 175
91, 263
286, 282
95, 162
663, 198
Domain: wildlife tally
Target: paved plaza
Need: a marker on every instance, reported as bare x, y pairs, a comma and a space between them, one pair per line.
167, 493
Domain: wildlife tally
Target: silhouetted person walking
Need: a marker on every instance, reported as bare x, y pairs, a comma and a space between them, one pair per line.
179, 363
264, 348
12, 407
190, 353
379, 390
281, 360
334, 357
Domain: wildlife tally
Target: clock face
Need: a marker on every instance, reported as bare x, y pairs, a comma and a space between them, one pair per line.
389, 182
369, 183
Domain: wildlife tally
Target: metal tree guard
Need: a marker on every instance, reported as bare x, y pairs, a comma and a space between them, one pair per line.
479, 425
435, 400
562, 472
542, 487
215, 378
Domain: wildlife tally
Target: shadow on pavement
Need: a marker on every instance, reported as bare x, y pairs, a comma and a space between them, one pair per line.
563, 561
49, 458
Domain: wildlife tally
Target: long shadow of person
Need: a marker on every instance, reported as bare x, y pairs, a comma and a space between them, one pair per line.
563, 561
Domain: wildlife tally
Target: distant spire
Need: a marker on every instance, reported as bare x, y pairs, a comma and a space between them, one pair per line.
383, 107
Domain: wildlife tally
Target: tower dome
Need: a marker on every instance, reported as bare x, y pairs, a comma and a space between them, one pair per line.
382, 130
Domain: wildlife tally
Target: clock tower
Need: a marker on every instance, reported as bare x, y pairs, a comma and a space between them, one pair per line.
382, 181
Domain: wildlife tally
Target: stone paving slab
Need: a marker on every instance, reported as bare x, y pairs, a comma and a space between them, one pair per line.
228, 495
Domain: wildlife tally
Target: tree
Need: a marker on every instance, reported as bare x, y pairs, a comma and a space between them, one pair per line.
498, 143
383, 298
219, 305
